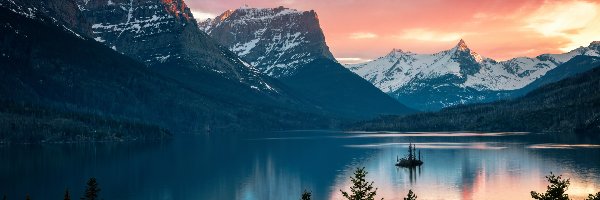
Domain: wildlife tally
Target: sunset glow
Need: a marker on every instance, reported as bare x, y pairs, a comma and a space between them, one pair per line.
495, 29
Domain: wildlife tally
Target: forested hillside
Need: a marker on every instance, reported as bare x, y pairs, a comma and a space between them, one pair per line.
28, 123
570, 105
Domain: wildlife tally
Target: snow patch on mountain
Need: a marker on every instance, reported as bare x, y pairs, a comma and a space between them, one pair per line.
397, 69
275, 40
458, 75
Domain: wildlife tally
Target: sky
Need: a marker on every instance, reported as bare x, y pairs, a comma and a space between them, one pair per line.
362, 30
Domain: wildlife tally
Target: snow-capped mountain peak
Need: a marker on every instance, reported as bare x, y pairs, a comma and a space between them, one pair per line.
275, 40
595, 45
395, 53
462, 49
402, 74
462, 45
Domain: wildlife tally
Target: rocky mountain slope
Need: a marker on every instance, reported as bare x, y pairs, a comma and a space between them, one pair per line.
458, 75
163, 33
276, 41
289, 45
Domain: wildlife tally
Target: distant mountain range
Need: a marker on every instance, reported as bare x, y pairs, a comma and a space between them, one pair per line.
289, 45
569, 105
458, 75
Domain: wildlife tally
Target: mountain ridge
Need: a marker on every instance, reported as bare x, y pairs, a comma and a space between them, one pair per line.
570, 105
408, 76
277, 52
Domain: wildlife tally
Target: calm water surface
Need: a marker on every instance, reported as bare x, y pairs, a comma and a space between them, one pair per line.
281, 165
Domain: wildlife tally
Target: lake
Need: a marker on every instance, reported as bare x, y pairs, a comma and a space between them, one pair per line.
280, 165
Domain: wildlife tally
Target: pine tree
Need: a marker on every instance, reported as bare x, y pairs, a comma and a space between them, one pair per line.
361, 189
67, 195
594, 197
92, 190
306, 195
411, 196
556, 189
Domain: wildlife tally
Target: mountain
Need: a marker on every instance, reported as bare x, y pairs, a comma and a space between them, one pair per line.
164, 34
457, 76
45, 63
576, 65
289, 45
276, 41
569, 105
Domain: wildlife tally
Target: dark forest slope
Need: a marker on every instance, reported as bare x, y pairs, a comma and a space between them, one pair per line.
45, 65
570, 105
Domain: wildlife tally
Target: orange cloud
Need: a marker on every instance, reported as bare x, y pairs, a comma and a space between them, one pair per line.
363, 35
494, 28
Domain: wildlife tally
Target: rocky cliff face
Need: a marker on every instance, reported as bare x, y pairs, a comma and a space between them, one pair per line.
161, 33
164, 33
457, 76
63, 13
275, 40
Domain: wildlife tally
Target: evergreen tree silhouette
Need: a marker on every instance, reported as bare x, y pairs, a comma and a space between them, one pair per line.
411, 196
306, 195
92, 190
594, 197
67, 195
360, 189
556, 189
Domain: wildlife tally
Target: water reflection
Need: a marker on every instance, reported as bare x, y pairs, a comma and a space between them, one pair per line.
281, 165
562, 146
433, 134
466, 171
437, 145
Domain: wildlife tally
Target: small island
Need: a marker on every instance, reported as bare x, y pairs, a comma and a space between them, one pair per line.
411, 159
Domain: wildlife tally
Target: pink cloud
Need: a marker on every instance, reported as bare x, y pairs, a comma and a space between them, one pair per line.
498, 29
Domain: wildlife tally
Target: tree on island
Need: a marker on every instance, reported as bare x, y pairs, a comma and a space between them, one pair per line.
361, 189
306, 195
411, 159
92, 190
411, 196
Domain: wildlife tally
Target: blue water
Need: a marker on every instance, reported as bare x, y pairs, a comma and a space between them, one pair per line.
280, 165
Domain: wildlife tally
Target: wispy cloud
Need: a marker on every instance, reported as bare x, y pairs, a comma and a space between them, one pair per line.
576, 20
201, 15
352, 60
363, 35
429, 35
